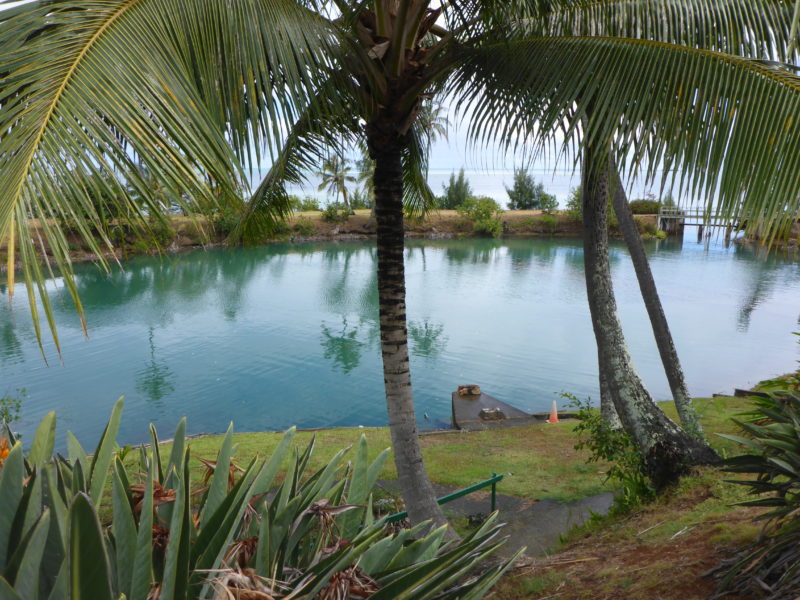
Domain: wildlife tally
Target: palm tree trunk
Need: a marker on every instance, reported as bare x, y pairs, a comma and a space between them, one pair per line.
658, 320
417, 492
607, 410
668, 451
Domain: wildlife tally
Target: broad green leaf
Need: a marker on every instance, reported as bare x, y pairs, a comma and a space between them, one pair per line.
142, 575
61, 585
123, 528
263, 564
155, 447
89, 568
75, 451
11, 476
43, 440
419, 551
178, 446
178, 537
27, 579
101, 461
218, 487
7, 592
265, 477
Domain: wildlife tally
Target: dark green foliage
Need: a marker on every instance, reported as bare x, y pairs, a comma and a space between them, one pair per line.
335, 212
161, 232
526, 194
644, 207
484, 213
456, 192
361, 199
313, 536
548, 223
575, 205
304, 226
224, 222
772, 436
10, 405
293, 202
611, 444
575, 208
309, 203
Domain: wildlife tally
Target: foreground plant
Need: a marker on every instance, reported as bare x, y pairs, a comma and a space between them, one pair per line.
247, 536
772, 564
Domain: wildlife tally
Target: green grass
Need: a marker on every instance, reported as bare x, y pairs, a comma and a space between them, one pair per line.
537, 461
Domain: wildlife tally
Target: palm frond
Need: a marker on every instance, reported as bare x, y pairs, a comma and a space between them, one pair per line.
98, 87
727, 124
418, 198
320, 129
754, 28
257, 65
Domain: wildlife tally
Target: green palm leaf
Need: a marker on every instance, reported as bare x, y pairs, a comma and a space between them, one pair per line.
91, 91
726, 123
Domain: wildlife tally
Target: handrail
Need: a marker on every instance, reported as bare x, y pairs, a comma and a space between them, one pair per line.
458, 494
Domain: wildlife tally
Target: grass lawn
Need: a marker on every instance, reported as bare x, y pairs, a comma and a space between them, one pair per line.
538, 461
660, 550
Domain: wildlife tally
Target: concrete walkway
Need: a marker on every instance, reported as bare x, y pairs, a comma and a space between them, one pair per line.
536, 524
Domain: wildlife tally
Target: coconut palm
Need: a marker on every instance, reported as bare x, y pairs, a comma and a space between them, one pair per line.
201, 90
335, 175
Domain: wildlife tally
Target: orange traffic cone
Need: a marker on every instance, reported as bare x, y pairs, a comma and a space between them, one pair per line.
553, 413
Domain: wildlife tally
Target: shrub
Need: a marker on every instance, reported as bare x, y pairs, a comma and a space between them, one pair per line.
526, 194
224, 222
614, 445
140, 247
313, 537
335, 212
161, 231
546, 223
456, 193
309, 203
645, 226
644, 207
304, 226
575, 205
772, 435
484, 213
549, 203
360, 199
11, 404
575, 208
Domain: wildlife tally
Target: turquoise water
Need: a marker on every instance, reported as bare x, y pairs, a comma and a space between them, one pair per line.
288, 334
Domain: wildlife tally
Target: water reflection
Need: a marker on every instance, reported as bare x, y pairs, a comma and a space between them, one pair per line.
342, 346
11, 346
289, 334
523, 254
427, 339
156, 380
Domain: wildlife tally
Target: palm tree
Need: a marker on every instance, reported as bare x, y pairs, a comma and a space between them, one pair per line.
655, 311
200, 90
335, 175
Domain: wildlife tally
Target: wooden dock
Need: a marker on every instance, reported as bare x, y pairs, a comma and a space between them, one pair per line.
480, 412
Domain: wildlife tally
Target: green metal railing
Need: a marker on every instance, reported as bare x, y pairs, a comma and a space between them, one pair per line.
492, 481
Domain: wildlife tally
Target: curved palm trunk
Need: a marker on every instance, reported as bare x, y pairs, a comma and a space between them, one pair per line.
607, 410
669, 452
658, 320
415, 488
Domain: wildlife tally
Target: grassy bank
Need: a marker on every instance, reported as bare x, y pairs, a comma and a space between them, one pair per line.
660, 550
538, 461
181, 233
